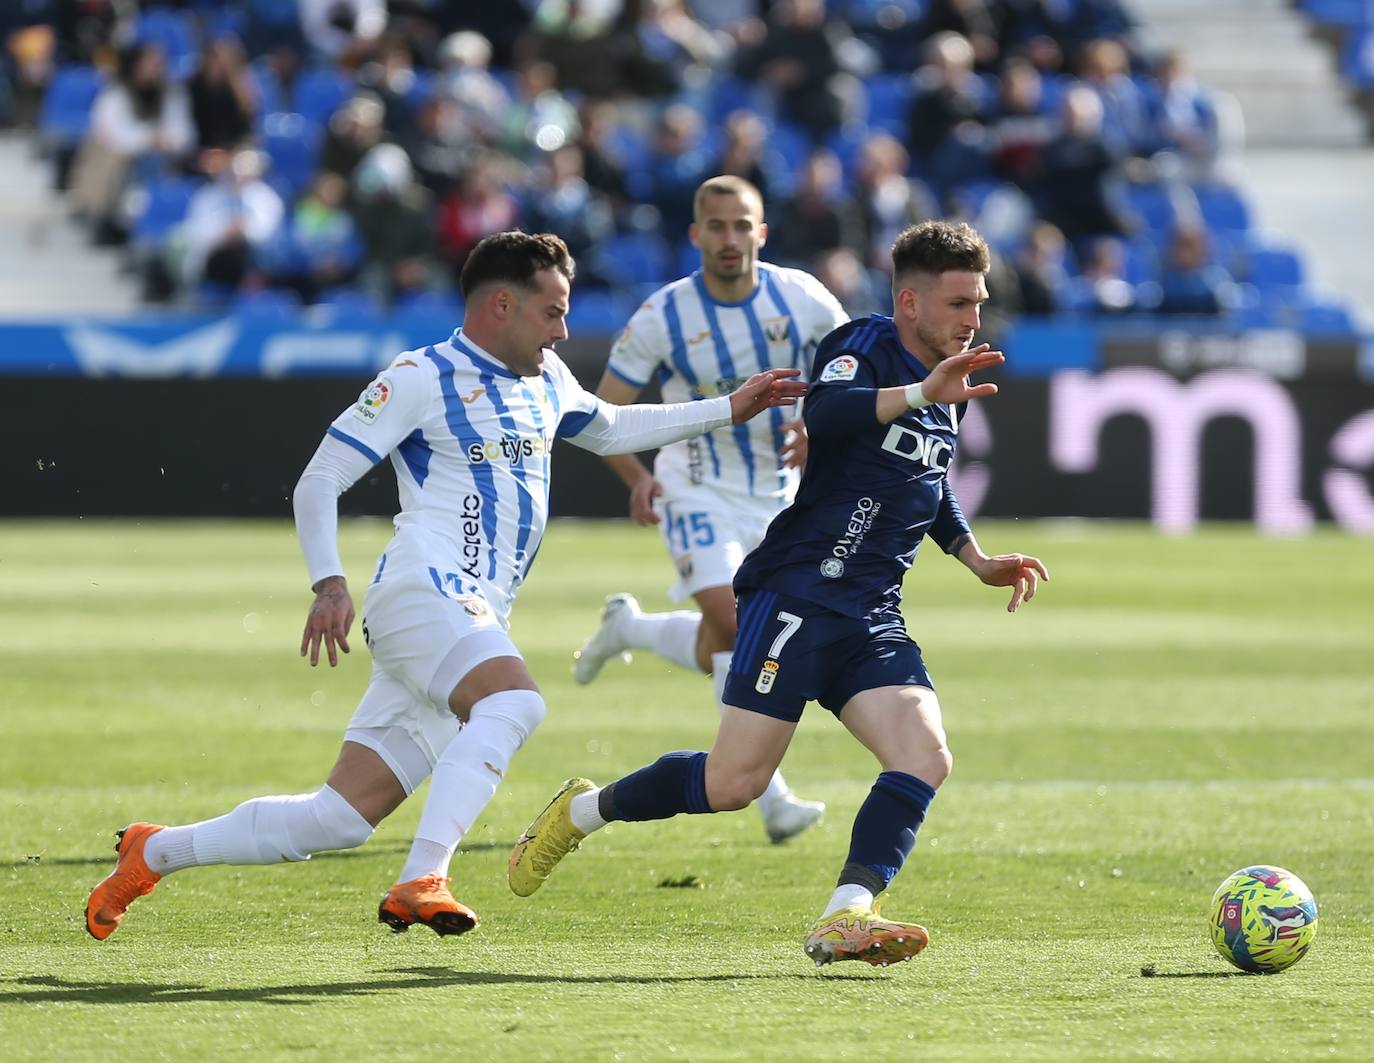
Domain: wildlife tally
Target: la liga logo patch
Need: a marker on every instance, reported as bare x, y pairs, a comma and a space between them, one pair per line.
842, 368
370, 402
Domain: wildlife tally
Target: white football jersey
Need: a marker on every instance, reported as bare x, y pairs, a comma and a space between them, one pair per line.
471, 443
699, 347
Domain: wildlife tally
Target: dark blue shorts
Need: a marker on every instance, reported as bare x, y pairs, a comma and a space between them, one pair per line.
789, 651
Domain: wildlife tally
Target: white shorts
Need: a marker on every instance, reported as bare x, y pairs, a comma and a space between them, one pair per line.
708, 534
423, 639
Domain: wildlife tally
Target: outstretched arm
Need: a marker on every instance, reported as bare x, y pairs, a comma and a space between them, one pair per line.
947, 383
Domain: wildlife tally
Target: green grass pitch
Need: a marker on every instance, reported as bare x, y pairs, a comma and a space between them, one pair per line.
1166, 711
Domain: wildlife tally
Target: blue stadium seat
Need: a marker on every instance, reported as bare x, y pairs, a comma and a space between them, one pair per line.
446, 305
1153, 204
175, 33
1223, 208
320, 92
271, 99
1357, 60
159, 207
272, 304
1344, 13
597, 310
349, 303
633, 258
1327, 319
1275, 268
292, 143
66, 112
889, 100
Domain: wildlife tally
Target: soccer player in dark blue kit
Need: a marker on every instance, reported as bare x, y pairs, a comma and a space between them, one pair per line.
819, 600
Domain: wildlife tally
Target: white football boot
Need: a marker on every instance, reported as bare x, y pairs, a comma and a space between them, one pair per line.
608, 640
787, 816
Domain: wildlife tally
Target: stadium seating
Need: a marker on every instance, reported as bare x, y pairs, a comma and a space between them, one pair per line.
66, 112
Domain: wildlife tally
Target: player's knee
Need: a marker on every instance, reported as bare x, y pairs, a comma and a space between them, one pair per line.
338, 824
736, 791
941, 763
521, 710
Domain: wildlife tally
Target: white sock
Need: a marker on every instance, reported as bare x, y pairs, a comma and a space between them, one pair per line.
426, 858
585, 811
265, 830
720, 667
467, 776
846, 896
673, 636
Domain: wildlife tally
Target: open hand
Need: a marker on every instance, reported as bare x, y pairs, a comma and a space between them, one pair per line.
331, 615
772, 387
1021, 572
948, 381
794, 447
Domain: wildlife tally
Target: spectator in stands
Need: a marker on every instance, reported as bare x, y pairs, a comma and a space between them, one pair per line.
810, 63
678, 163
840, 270
1183, 118
1190, 282
479, 205
818, 217
392, 79
1018, 133
742, 154
230, 222
140, 124
441, 144
354, 130
464, 60
945, 123
1102, 288
540, 118
30, 51
1106, 69
602, 166
395, 217
332, 27
562, 202
1041, 270
323, 244
888, 200
224, 101
981, 22
1079, 167
683, 49
597, 49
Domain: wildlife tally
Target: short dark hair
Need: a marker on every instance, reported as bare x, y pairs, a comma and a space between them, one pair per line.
727, 184
515, 258
939, 246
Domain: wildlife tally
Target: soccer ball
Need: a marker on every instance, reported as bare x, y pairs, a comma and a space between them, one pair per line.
1263, 919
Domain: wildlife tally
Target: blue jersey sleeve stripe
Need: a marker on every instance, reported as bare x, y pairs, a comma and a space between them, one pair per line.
728, 374
361, 447
622, 376
524, 499
573, 422
455, 415
415, 451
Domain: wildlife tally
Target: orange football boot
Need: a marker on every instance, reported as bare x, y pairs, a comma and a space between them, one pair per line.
130, 880
425, 900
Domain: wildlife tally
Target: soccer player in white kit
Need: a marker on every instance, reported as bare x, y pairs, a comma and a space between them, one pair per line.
469, 425
714, 495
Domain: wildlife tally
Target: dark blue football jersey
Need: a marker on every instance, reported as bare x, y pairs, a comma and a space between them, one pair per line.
870, 492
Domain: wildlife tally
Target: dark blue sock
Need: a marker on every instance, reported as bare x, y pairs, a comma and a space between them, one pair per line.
675, 782
885, 829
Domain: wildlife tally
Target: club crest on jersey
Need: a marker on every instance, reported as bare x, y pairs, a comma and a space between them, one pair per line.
776, 329
842, 368
371, 401
768, 674
832, 568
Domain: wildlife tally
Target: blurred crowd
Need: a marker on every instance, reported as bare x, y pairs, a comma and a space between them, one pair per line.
280, 152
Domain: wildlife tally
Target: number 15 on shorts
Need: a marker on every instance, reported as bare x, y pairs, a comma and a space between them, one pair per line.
791, 624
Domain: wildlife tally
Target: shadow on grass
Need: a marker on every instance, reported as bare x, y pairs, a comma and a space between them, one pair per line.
342, 854
50, 989
1198, 974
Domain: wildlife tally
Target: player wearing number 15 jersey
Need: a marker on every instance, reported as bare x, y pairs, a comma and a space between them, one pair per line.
712, 496
819, 599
